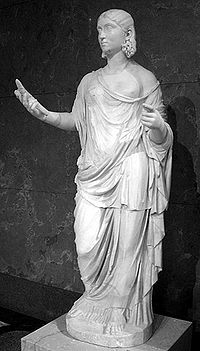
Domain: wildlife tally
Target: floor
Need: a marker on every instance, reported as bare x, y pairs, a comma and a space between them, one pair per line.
13, 326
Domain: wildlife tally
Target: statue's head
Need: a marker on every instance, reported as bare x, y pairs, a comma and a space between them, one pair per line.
116, 32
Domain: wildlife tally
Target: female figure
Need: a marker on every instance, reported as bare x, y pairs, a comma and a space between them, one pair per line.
122, 188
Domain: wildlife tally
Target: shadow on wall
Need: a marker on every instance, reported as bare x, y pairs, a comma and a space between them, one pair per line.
173, 294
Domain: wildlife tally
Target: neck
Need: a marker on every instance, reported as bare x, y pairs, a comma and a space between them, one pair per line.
116, 63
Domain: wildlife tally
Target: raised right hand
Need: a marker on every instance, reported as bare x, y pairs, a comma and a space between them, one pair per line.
29, 102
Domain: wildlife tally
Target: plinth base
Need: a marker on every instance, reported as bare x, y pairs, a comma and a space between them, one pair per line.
93, 333
169, 334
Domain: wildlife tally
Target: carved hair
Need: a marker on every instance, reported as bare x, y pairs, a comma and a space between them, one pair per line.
126, 22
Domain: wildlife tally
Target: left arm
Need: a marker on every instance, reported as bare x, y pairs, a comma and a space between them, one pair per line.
152, 119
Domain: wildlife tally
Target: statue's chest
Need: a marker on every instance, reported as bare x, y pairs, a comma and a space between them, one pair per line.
124, 84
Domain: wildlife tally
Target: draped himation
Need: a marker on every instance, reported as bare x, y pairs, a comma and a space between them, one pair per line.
123, 183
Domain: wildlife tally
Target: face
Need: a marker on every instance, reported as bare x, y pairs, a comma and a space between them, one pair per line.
110, 36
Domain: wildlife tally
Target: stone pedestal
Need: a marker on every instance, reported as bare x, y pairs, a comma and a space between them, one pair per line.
169, 334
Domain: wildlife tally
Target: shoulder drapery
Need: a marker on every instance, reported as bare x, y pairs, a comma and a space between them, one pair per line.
110, 134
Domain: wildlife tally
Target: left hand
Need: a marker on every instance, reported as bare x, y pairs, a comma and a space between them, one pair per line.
151, 118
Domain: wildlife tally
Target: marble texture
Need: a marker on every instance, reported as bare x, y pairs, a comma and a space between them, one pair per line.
170, 335
44, 47
132, 335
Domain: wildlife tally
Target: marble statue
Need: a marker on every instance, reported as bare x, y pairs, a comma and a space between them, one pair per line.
123, 185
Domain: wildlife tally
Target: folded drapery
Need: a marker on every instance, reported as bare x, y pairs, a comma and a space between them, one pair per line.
123, 184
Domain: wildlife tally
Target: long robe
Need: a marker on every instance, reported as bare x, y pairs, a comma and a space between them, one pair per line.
123, 184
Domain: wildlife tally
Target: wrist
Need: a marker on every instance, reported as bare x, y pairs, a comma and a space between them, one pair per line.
163, 128
158, 135
52, 118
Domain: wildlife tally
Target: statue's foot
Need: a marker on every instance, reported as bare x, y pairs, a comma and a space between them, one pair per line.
116, 333
116, 324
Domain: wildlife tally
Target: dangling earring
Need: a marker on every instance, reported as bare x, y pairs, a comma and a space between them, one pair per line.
129, 47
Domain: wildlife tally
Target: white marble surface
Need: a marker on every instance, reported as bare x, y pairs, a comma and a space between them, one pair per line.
170, 334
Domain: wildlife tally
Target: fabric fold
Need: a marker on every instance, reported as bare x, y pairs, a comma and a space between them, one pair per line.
123, 185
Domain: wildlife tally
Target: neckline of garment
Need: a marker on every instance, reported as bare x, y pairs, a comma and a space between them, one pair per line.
115, 73
118, 95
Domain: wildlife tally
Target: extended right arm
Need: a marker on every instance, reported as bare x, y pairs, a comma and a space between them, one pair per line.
62, 120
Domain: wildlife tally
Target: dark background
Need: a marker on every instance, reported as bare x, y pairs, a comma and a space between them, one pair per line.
49, 45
